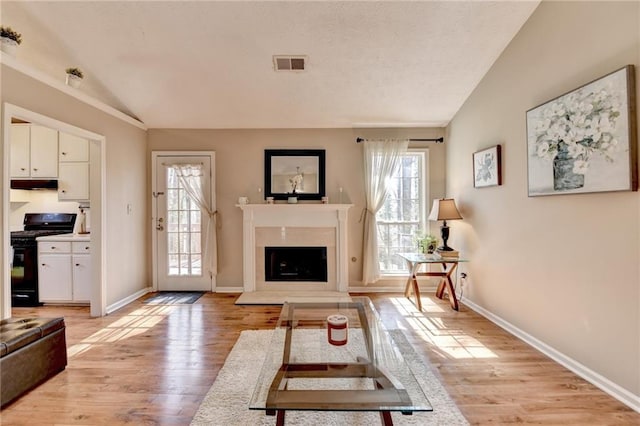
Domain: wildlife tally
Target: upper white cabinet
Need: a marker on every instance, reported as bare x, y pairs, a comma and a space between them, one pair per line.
34, 151
20, 163
73, 183
73, 148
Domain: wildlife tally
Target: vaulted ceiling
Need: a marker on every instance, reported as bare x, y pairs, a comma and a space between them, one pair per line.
209, 64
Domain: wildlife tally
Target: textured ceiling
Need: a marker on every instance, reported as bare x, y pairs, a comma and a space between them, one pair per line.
199, 64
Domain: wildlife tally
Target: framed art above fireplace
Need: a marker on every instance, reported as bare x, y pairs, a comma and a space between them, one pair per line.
294, 173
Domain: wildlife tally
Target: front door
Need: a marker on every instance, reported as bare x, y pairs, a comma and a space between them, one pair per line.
183, 231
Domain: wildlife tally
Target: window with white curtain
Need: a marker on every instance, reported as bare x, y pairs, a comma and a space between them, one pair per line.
404, 213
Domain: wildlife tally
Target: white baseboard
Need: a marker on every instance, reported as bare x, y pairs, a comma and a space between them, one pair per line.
228, 290
423, 288
123, 302
352, 289
606, 385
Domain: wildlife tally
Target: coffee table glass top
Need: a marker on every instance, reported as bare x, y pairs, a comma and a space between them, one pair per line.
304, 371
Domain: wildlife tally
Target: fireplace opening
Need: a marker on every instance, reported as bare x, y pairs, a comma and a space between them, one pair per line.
295, 264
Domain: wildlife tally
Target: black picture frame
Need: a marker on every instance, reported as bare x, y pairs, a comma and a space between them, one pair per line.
294, 172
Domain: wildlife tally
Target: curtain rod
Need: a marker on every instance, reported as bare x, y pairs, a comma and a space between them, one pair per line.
436, 140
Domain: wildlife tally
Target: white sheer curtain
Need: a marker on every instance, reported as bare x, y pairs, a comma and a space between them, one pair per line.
381, 158
190, 176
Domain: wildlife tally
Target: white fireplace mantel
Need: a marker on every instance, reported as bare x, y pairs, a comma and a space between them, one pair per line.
295, 216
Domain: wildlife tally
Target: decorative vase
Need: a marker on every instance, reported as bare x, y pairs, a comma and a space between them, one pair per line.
9, 46
292, 200
74, 81
563, 176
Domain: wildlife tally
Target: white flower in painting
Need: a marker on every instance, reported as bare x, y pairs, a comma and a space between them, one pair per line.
579, 125
543, 150
575, 150
580, 167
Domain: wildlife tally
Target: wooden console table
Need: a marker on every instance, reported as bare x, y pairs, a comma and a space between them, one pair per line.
449, 265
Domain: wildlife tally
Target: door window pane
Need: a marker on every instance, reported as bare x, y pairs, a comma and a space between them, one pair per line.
184, 230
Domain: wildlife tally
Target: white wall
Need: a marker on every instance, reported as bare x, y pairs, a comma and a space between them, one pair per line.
562, 268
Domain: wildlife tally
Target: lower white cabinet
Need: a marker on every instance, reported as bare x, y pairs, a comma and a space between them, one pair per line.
64, 271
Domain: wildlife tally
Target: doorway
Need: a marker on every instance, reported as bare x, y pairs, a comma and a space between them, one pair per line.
97, 178
184, 234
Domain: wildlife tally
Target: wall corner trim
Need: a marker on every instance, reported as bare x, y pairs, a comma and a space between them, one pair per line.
75, 93
606, 385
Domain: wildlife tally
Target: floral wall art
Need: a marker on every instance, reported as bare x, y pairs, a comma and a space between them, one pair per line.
487, 167
585, 140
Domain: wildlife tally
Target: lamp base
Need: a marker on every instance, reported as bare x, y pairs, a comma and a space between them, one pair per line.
445, 248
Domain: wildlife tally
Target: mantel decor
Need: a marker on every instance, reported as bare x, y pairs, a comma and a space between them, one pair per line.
487, 167
585, 141
294, 173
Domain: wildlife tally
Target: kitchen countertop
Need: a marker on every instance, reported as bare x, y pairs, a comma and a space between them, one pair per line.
66, 237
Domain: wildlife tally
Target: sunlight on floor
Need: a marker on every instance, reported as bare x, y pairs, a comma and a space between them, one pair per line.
133, 324
433, 329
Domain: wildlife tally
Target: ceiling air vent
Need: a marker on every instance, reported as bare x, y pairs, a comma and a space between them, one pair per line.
289, 62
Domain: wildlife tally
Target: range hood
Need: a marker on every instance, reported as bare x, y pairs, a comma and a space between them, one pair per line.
34, 184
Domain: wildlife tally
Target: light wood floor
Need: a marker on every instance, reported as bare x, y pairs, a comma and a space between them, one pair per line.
152, 365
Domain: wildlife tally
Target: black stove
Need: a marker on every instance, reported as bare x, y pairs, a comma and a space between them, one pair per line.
29, 237
24, 271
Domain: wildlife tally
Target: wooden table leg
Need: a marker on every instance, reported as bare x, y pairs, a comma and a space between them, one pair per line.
412, 284
416, 290
448, 284
280, 418
385, 416
407, 287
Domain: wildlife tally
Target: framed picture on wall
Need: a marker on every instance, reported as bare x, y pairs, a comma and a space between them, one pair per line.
585, 140
294, 172
487, 167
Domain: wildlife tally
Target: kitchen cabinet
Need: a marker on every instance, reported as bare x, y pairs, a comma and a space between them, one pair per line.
73, 148
73, 182
34, 151
20, 163
81, 271
64, 269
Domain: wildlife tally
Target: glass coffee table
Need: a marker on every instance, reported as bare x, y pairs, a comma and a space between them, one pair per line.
317, 362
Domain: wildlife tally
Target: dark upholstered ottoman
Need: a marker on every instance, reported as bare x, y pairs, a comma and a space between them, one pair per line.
31, 351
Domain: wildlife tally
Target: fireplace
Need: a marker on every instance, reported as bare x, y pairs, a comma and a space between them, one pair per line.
295, 264
289, 226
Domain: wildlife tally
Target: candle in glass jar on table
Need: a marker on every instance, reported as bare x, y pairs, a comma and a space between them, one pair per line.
337, 329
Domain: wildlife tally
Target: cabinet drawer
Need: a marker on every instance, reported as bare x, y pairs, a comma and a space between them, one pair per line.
54, 247
81, 247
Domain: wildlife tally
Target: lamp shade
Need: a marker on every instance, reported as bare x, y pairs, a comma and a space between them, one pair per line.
444, 209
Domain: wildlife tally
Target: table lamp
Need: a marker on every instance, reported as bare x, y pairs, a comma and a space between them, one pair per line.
444, 209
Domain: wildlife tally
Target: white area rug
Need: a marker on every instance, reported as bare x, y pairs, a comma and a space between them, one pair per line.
279, 297
227, 402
